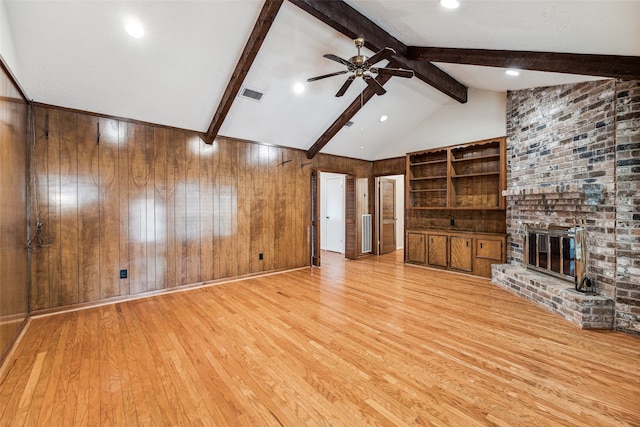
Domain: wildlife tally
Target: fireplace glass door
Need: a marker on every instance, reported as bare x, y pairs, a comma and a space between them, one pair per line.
551, 251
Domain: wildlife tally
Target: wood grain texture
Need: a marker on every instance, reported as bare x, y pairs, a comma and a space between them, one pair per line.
613, 66
166, 207
14, 293
367, 342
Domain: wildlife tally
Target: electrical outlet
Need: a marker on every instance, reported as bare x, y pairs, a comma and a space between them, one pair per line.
123, 274
260, 256
451, 222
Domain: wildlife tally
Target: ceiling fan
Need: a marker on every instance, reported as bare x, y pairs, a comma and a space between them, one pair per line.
362, 66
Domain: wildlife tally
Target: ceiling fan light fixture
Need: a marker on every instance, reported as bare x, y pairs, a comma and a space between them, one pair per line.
450, 4
512, 72
134, 29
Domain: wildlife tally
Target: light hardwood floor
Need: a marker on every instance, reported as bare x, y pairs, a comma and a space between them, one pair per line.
368, 342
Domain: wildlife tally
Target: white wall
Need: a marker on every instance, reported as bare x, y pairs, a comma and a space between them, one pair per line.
483, 116
7, 47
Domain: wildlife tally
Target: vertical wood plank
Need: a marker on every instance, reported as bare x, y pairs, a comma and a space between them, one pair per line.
206, 183
40, 258
123, 203
270, 173
227, 208
192, 206
69, 239
172, 235
109, 209
217, 243
242, 234
150, 231
88, 209
255, 211
160, 207
14, 298
179, 167
53, 153
138, 179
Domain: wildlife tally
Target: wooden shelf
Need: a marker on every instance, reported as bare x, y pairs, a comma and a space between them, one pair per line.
472, 175
462, 177
428, 190
433, 162
471, 159
429, 178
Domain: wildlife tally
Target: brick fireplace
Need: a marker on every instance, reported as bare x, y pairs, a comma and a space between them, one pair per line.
574, 151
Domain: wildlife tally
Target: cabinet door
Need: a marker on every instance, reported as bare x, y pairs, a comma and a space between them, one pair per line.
417, 247
437, 250
488, 248
461, 253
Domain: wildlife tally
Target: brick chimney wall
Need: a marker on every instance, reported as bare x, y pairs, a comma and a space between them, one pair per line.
627, 298
573, 151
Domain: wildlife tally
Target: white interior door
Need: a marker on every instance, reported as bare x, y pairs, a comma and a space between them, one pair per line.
334, 214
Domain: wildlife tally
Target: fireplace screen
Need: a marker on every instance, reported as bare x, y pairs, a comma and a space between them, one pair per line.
552, 251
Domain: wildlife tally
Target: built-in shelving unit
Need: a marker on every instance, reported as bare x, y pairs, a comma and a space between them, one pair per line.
469, 176
455, 207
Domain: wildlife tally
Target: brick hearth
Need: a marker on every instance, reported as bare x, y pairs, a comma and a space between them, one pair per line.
556, 295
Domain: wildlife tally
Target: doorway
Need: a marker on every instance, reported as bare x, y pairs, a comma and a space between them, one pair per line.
332, 214
390, 213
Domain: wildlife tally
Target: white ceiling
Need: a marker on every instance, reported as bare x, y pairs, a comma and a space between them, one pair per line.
76, 54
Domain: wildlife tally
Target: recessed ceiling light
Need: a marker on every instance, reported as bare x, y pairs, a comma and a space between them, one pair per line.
134, 28
298, 88
450, 4
512, 73
383, 118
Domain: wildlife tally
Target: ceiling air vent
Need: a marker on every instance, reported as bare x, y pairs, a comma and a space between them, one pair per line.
348, 124
252, 94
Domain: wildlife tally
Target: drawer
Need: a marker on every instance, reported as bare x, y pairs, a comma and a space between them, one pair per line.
489, 249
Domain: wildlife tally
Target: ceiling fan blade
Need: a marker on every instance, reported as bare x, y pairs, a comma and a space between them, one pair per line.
385, 53
374, 85
399, 72
337, 73
346, 85
339, 60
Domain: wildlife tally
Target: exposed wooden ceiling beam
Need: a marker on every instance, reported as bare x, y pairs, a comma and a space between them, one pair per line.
348, 21
260, 30
346, 115
623, 67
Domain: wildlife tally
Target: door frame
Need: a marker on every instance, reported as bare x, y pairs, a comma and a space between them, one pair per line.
378, 212
315, 231
324, 177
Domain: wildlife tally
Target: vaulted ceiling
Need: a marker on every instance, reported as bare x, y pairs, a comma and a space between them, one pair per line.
76, 54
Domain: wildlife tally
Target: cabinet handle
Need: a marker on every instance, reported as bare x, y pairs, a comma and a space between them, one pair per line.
432, 240
467, 243
480, 245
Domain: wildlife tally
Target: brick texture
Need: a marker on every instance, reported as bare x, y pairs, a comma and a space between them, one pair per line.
627, 297
574, 151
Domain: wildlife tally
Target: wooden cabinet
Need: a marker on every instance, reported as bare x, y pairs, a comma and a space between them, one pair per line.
468, 177
416, 247
460, 251
437, 250
489, 248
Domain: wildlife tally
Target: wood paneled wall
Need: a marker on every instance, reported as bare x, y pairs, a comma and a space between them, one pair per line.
13, 211
163, 205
